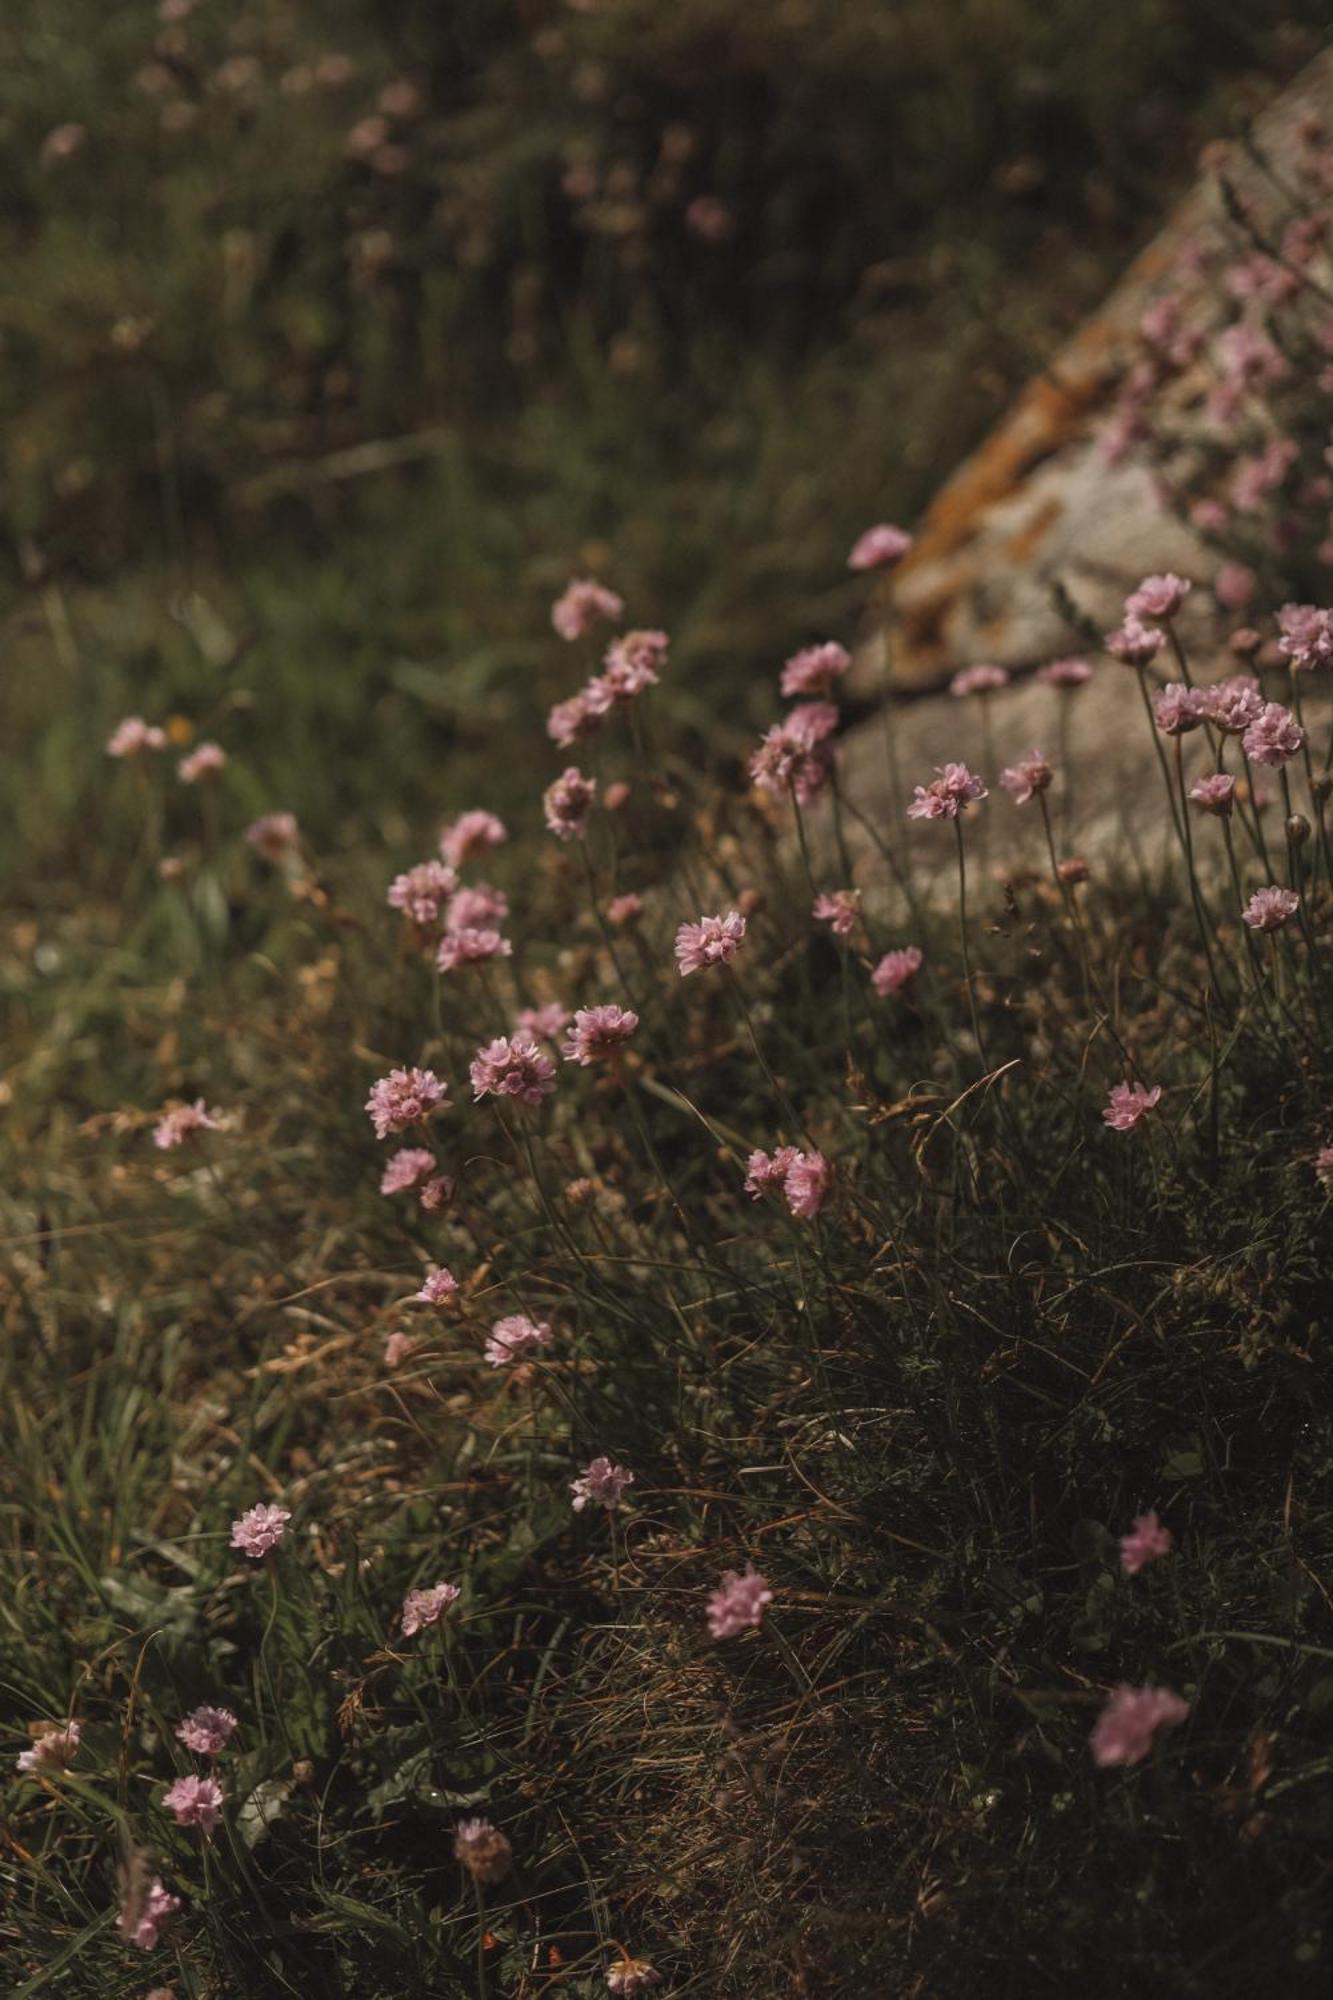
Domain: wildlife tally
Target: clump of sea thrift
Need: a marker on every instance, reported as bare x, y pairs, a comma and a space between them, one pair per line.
1178, 709
1135, 643
1128, 1103
738, 1603
839, 910
477, 907
204, 762
803, 1178
403, 1098
1215, 793
134, 736
712, 941
1147, 1542
1126, 1726
420, 893
427, 1607
195, 1801
439, 1289
1157, 597
601, 1483
182, 1122
624, 910
407, 1169
546, 1022
512, 1338
633, 664
1323, 1167
794, 756
512, 1066
1269, 909
260, 1529
1307, 636
143, 1913
470, 947
207, 1731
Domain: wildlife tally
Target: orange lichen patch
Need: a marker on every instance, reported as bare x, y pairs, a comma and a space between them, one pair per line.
1034, 532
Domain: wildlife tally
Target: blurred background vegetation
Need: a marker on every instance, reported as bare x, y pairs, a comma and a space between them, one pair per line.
333, 339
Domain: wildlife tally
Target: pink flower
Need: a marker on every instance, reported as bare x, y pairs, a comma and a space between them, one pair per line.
1126, 1726
879, 547
598, 1032
1323, 1167
1022, 781
767, 1170
274, 836
629, 1977
1269, 909
133, 736
581, 716
1247, 357
952, 787
895, 969
1128, 1103
470, 948
437, 1192
1256, 477
1234, 586
440, 1288
1216, 794
407, 1169
567, 804
397, 1348
1146, 1542
207, 1731
182, 1122
1307, 636
633, 664
814, 669
1177, 708
62, 142
195, 1802
1073, 870
712, 941
52, 1750
478, 907
1232, 705
1274, 737
483, 1850
1157, 597
511, 1338
984, 679
600, 1483
737, 1603
1065, 673
1134, 643
839, 911
205, 762
420, 892
512, 1068
143, 1913
425, 1607
404, 1097
470, 834
546, 1022
260, 1529
583, 604
793, 756
623, 910
807, 1184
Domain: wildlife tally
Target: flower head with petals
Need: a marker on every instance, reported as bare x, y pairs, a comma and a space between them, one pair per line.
1269, 909
583, 604
182, 1122
601, 1483
1128, 1103
260, 1529
598, 1032
1131, 1718
207, 1731
403, 1098
738, 1603
879, 547
426, 1607
512, 1066
1023, 781
1147, 1542
195, 1801
712, 941
472, 833
512, 1338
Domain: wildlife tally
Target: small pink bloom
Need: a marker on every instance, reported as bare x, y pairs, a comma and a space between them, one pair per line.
1074, 870
879, 547
737, 1603
1128, 1103
567, 803
623, 910
767, 1170
56, 1747
1323, 1167
425, 1607
984, 679
712, 941
478, 907
407, 1169
707, 215
439, 1289
839, 911
1307, 636
142, 1915
547, 1022
195, 1801
1135, 643
1022, 781
601, 1484
1126, 1726
402, 1098
581, 716
397, 1348
510, 1339
437, 1193
584, 604
62, 142
182, 1122
274, 837
472, 833
1233, 704
633, 664
1274, 737
1216, 794
458, 948
260, 1529
1065, 673
598, 1032
807, 1184
420, 893
1177, 709
1270, 909
483, 1850
207, 1731
133, 736
205, 762
814, 670
895, 969
952, 787
793, 756
514, 1067
1146, 1542
1234, 586
1157, 597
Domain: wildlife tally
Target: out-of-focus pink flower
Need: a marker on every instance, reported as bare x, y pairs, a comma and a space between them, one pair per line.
397, 1348
1210, 517
814, 669
982, 679
767, 1170
633, 664
205, 762
1074, 870
440, 1288
195, 1801
1177, 709
547, 1022
1256, 477
62, 142
602, 1484
56, 1747
274, 837
478, 907
1022, 781
839, 910
512, 1067
483, 1850
712, 941
623, 910
1307, 636
511, 1338
629, 1977
133, 736
598, 1032
143, 1913
182, 1122
1215, 793
1274, 737
1147, 1541
402, 1098
1134, 643
879, 547
1065, 673
583, 604
1232, 705
806, 1185
1234, 586
1247, 357
581, 716
421, 892
1128, 1103
207, 1731
794, 756
1269, 909
895, 969
260, 1529
1157, 597
472, 833
738, 1602
1323, 1167
437, 1193
470, 948
426, 1607
952, 787
707, 216
567, 803
1126, 1726
333, 70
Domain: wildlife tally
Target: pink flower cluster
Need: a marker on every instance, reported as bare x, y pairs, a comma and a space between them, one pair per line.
602, 1484
512, 1338
182, 1122
439, 1289
814, 669
598, 1032
422, 891
143, 1914
803, 1178
1306, 636
712, 941
567, 803
952, 788
134, 736
1128, 1103
204, 762
1023, 781
983, 679
582, 605
260, 1529
512, 1066
470, 947
472, 833
895, 970
1126, 1726
195, 1801
1269, 909
426, 1607
839, 910
633, 663
1147, 1542
794, 756
879, 547
403, 1098
738, 1603
52, 1750
207, 1731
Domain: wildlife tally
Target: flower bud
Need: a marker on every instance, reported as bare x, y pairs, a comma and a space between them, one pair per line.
1298, 830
